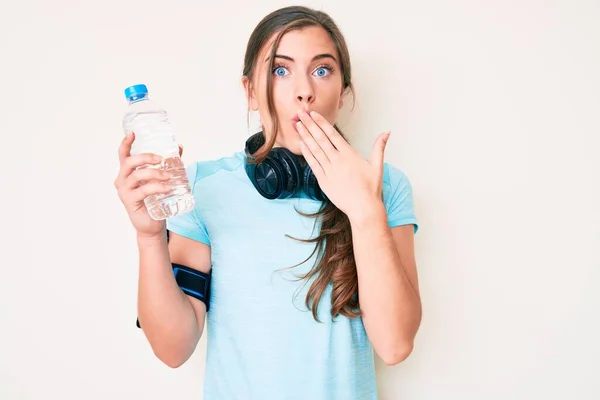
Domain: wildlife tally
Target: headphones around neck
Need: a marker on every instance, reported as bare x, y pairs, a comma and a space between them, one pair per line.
282, 174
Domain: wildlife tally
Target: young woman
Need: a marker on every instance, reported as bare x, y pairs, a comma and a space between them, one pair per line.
309, 246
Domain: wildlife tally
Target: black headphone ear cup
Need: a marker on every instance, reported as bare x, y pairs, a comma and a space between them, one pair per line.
311, 185
292, 170
282, 174
269, 179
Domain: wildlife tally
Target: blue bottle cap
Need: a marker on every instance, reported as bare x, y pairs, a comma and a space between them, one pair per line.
136, 92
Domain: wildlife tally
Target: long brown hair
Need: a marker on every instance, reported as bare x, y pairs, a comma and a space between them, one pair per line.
336, 263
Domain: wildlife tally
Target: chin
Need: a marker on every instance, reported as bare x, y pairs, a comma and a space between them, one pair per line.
291, 141
295, 147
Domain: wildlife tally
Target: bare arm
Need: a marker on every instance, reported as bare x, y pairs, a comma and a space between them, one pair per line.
388, 284
172, 321
387, 280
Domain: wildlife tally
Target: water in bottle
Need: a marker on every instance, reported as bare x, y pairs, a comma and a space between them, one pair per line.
154, 134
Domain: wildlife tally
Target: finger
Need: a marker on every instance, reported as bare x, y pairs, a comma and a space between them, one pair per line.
332, 134
125, 147
131, 163
317, 133
138, 177
313, 163
312, 145
377, 154
149, 189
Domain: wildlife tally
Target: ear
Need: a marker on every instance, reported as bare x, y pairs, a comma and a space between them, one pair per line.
250, 94
341, 102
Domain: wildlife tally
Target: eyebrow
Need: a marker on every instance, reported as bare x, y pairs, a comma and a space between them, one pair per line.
315, 58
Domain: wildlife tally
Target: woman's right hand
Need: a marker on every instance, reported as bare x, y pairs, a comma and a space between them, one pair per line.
134, 185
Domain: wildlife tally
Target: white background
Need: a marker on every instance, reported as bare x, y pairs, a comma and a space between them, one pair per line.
493, 108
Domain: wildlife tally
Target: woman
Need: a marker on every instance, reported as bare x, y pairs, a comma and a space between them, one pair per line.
306, 281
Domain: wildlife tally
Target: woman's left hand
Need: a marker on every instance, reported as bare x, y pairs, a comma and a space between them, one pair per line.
350, 181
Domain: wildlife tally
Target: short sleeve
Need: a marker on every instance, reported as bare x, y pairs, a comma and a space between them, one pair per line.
190, 225
398, 198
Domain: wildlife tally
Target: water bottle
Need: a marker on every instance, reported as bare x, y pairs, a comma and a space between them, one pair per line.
154, 134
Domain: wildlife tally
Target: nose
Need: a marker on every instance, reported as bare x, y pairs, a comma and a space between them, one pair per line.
304, 91
305, 97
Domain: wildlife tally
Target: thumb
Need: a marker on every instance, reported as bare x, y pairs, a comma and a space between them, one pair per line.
379, 149
180, 150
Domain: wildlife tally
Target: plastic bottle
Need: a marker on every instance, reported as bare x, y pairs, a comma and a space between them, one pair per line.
154, 134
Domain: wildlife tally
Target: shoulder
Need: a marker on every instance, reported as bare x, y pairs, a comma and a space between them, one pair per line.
394, 178
202, 170
209, 181
398, 196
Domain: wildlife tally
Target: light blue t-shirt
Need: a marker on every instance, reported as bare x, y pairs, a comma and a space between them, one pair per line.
263, 343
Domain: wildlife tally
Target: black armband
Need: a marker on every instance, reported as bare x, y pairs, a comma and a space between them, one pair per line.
193, 283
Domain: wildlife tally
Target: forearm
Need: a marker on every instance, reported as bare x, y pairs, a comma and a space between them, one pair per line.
389, 301
164, 311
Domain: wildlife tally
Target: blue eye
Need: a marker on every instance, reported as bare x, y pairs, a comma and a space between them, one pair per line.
322, 71
279, 71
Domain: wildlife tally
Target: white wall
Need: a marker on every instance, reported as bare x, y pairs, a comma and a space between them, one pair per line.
493, 108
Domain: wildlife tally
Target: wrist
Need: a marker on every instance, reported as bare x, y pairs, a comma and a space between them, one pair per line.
371, 214
154, 240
